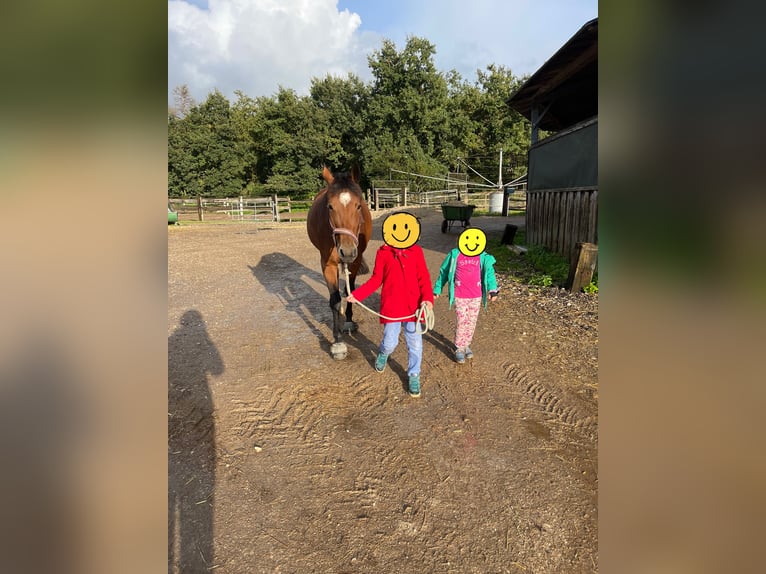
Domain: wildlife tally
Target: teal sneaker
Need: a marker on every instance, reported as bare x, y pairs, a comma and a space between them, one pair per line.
414, 385
468, 353
380, 362
460, 356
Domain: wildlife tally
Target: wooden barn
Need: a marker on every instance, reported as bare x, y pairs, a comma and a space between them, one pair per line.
561, 99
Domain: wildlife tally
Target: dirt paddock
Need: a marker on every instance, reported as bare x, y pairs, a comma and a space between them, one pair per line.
282, 459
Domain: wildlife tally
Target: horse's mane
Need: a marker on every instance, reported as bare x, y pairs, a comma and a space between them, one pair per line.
344, 180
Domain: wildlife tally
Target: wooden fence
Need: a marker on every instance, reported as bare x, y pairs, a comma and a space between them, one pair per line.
559, 219
271, 208
385, 197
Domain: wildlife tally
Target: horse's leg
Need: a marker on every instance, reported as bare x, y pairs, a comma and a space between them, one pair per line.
338, 348
349, 307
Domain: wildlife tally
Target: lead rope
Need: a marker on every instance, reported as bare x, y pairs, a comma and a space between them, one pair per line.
424, 317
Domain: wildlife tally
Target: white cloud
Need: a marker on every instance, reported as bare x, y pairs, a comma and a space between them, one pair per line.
518, 34
257, 45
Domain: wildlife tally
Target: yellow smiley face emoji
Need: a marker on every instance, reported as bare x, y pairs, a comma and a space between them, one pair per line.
401, 230
472, 242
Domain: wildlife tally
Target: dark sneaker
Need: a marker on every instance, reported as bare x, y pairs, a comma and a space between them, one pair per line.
468, 353
460, 356
414, 385
380, 362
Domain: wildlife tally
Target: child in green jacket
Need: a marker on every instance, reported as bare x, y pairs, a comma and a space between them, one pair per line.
470, 274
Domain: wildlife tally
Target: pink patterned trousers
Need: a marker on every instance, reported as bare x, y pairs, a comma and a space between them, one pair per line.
467, 312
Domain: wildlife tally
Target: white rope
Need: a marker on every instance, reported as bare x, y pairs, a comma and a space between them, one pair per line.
476, 172
424, 316
455, 181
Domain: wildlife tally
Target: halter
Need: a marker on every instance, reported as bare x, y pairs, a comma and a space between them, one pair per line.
344, 231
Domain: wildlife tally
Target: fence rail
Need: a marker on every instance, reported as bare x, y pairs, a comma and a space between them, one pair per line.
272, 208
385, 197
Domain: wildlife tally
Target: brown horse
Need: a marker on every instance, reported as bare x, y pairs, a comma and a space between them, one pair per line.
340, 226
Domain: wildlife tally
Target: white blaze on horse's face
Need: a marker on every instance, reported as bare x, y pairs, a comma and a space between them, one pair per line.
345, 221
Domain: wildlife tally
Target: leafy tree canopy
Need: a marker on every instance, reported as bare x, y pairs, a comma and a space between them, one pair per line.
410, 117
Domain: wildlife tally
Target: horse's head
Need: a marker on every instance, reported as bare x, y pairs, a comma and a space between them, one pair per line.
344, 204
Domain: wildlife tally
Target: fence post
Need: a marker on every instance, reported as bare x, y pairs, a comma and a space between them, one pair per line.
404, 193
581, 268
275, 207
199, 208
241, 209
375, 193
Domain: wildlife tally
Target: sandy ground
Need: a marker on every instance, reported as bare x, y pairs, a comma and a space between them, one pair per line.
282, 459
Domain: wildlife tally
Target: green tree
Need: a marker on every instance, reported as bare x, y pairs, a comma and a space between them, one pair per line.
406, 123
497, 126
341, 105
464, 138
205, 154
290, 141
410, 117
244, 114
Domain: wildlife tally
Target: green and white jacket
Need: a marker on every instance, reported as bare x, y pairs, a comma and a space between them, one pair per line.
447, 276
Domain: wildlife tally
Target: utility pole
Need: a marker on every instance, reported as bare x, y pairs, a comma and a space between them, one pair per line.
500, 173
504, 208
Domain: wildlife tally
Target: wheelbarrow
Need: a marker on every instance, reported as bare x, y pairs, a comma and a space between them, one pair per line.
456, 211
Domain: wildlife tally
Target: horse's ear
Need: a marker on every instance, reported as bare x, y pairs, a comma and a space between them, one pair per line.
355, 173
327, 175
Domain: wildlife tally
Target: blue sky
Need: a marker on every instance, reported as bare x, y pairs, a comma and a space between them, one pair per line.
256, 46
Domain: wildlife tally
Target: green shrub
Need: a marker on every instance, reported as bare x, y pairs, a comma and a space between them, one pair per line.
541, 280
591, 288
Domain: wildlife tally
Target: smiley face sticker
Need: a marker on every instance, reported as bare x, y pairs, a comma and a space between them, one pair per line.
472, 242
401, 230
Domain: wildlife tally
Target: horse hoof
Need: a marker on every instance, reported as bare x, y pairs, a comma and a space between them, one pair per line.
339, 351
350, 327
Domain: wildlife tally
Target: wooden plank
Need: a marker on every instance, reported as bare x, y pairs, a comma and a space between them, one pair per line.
584, 214
544, 228
540, 218
552, 223
593, 223
595, 216
555, 221
531, 218
567, 225
575, 225
548, 217
562, 197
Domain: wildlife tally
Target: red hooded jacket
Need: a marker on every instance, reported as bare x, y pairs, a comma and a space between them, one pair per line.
405, 279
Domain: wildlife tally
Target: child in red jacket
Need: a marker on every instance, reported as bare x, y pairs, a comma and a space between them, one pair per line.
400, 268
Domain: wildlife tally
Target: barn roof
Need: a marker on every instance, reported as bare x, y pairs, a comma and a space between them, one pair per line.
567, 83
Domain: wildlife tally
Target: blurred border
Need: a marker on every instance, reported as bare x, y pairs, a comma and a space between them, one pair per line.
83, 374
681, 287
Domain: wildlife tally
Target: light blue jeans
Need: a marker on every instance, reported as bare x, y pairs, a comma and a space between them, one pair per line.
413, 339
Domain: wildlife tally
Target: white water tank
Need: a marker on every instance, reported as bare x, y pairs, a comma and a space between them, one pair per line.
496, 202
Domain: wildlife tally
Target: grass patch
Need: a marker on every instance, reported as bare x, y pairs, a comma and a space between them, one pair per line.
538, 267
